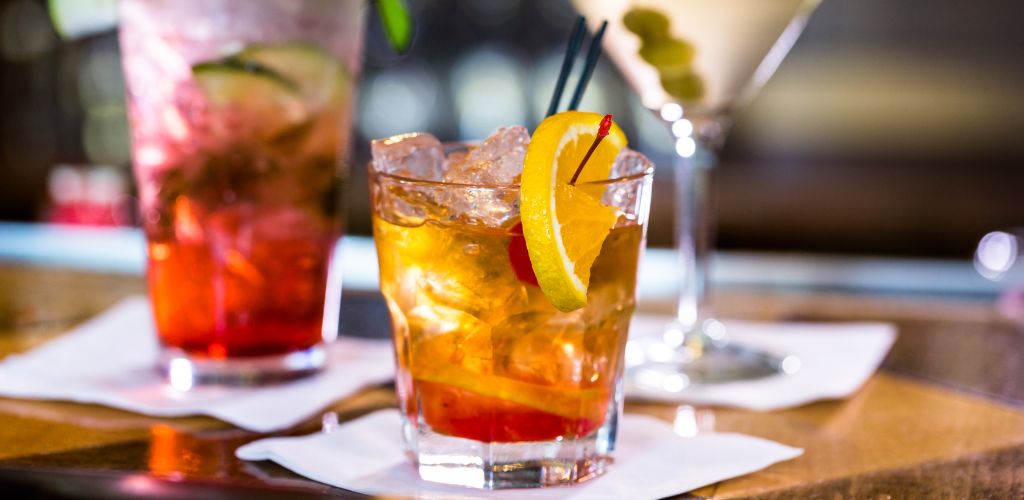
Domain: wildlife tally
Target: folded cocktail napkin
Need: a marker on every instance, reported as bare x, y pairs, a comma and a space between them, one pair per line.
651, 461
109, 360
825, 361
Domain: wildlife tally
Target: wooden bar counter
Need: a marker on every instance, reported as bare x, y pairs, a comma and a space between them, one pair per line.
944, 418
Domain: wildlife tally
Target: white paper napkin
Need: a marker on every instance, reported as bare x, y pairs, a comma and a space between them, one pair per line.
109, 360
833, 360
651, 461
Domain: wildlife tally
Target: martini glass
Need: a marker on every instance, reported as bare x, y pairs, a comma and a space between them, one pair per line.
694, 63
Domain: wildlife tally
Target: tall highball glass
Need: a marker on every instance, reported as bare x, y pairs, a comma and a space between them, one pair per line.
240, 115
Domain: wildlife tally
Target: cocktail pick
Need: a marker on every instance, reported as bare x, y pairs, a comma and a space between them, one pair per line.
593, 54
602, 132
573, 48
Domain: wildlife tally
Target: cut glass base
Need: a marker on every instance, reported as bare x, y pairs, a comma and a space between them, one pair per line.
532, 464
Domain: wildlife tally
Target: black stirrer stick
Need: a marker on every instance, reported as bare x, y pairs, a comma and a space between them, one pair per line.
593, 54
575, 41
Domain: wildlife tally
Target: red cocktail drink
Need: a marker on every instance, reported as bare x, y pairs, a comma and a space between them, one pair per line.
240, 120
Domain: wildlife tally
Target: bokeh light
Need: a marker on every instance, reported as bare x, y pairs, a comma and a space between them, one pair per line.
996, 254
489, 92
399, 100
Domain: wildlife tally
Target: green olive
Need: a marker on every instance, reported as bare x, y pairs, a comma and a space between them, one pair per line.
648, 24
669, 56
686, 86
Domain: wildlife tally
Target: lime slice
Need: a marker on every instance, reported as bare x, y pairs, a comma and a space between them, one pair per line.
262, 100
319, 76
565, 225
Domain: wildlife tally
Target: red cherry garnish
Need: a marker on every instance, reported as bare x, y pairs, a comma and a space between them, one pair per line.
519, 257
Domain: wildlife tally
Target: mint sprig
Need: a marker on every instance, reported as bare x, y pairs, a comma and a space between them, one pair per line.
397, 23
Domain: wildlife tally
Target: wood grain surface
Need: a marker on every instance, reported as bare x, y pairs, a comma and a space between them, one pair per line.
943, 419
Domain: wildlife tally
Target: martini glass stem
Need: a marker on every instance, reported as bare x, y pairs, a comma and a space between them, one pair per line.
695, 349
694, 235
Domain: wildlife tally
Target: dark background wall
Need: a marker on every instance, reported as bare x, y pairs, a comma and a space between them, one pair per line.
891, 128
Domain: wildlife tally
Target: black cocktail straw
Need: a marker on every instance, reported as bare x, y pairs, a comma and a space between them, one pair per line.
575, 41
593, 54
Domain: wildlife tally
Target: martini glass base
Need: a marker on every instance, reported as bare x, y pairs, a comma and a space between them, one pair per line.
715, 365
669, 369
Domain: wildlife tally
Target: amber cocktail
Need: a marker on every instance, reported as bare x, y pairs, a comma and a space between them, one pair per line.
498, 387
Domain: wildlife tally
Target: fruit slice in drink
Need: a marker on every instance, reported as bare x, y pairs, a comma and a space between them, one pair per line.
321, 80
250, 99
323, 84
565, 224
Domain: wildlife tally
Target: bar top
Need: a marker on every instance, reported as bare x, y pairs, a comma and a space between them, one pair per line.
943, 418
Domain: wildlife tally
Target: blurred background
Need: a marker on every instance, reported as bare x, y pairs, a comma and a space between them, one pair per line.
892, 128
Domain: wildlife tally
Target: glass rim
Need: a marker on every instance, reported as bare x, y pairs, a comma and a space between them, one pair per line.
375, 172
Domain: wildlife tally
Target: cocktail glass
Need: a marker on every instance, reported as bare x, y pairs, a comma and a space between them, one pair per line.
498, 389
694, 62
240, 122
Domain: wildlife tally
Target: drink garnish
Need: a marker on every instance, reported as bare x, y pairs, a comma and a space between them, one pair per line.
602, 132
571, 50
320, 78
262, 101
397, 23
564, 224
671, 56
593, 54
519, 257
